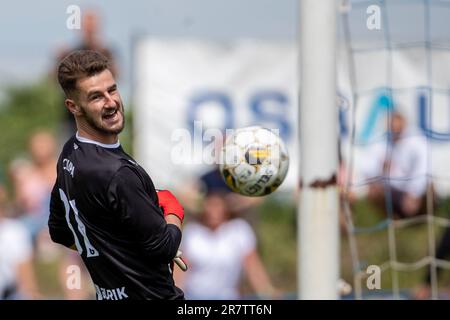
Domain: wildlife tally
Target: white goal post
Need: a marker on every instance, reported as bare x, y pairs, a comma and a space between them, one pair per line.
318, 237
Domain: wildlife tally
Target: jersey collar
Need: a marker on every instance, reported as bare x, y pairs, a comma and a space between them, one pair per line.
104, 145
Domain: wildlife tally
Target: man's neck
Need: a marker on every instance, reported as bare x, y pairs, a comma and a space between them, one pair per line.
97, 136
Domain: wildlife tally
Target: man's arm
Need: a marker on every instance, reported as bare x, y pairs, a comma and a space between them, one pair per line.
156, 234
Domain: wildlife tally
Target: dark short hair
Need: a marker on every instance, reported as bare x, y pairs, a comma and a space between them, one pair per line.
79, 64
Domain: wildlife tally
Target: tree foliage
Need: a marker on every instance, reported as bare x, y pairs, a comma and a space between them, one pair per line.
24, 110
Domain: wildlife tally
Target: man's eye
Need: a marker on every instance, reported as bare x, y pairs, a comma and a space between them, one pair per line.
95, 97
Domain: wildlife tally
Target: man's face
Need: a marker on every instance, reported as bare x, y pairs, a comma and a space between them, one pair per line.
100, 103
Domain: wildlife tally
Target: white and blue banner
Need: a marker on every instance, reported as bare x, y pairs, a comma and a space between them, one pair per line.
184, 88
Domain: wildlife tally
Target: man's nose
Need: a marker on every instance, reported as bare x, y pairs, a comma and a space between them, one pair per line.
109, 101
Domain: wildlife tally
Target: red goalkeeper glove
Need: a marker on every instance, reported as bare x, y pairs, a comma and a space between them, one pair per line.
170, 204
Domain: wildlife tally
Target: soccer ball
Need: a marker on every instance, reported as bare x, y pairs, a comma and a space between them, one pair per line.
254, 161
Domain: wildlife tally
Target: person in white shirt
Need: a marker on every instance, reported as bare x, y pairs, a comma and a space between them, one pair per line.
17, 279
400, 163
217, 249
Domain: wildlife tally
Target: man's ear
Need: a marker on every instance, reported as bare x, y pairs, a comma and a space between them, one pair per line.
72, 107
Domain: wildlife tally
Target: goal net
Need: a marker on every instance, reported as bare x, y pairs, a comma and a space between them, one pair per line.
395, 59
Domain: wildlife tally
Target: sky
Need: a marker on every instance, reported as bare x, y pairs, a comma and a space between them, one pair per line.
31, 32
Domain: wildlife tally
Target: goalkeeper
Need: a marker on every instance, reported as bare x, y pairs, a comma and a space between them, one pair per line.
103, 203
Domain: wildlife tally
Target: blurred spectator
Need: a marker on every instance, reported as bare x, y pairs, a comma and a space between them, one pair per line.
217, 248
32, 182
17, 279
42, 148
402, 164
91, 39
30, 196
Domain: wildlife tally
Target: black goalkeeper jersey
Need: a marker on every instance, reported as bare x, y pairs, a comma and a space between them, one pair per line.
106, 204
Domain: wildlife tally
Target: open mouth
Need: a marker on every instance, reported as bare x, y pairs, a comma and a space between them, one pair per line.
110, 115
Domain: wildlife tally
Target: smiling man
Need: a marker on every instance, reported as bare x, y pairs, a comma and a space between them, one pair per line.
103, 203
